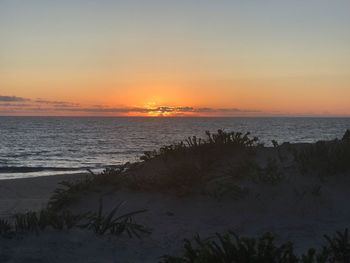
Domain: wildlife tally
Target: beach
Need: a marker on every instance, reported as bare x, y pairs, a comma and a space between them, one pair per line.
300, 209
25, 194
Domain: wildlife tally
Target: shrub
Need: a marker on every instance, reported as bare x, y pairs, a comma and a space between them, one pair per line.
230, 248
6, 230
325, 158
100, 223
338, 247
231, 140
35, 221
68, 193
346, 137
26, 222
270, 174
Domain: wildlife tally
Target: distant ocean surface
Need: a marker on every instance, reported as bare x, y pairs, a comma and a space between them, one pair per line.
36, 146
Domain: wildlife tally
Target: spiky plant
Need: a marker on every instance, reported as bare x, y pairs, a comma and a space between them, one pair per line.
112, 223
6, 229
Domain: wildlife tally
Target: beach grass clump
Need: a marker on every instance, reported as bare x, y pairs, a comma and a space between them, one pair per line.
67, 193
225, 187
182, 178
189, 166
182, 168
6, 229
221, 141
229, 247
338, 247
271, 173
31, 221
101, 223
325, 158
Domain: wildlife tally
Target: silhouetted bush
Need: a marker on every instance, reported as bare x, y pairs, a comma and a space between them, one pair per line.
99, 222
325, 158
230, 248
221, 140
114, 224
6, 230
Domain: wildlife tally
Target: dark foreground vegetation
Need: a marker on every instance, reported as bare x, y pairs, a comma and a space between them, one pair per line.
99, 222
325, 157
213, 166
231, 248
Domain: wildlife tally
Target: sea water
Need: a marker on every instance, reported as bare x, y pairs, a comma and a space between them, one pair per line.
35, 146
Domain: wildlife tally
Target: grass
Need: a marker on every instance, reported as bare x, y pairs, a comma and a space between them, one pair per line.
38, 221
99, 222
69, 192
187, 166
231, 248
325, 158
220, 141
115, 224
249, 169
6, 229
195, 165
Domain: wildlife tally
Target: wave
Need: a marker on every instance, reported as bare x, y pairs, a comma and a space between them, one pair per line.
27, 169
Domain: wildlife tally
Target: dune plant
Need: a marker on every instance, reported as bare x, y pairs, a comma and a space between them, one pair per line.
38, 221
231, 248
346, 137
68, 193
325, 158
112, 223
225, 187
250, 169
232, 140
100, 223
26, 222
6, 229
338, 247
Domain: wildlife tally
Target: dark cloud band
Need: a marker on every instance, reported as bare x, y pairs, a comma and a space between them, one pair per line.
15, 103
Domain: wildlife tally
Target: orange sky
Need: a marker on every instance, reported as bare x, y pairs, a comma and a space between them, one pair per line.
175, 59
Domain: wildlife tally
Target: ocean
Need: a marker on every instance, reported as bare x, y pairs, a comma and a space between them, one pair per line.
37, 146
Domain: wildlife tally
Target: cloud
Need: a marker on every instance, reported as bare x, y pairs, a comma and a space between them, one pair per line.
160, 110
15, 105
57, 103
12, 99
25, 105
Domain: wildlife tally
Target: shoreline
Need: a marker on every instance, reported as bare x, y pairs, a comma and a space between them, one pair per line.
24, 194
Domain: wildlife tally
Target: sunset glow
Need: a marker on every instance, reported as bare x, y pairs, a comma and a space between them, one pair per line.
148, 58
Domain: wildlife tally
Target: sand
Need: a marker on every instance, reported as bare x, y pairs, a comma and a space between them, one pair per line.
300, 208
20, 195
290, 210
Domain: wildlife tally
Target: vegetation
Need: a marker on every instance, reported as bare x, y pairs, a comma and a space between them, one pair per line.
221, 141
6, 229
69, 192
98, 222
325, 158
195, 166
231, 248
186, 168
102, 223
38, 221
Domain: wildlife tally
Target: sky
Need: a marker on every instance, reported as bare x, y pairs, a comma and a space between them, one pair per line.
175, 58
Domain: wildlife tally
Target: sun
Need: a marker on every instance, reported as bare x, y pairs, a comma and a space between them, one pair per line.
154, 110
